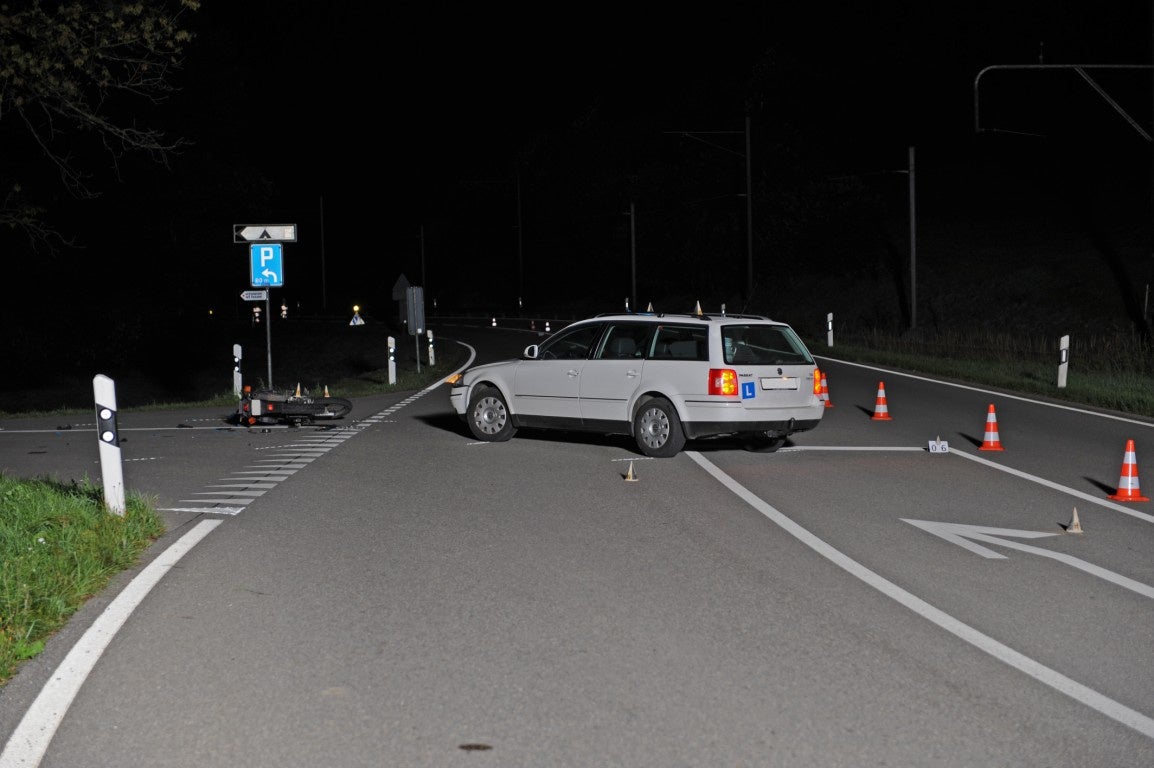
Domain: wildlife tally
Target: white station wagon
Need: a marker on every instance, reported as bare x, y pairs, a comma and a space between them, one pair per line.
662, 378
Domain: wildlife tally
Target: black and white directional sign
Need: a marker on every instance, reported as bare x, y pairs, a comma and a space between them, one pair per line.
264, 233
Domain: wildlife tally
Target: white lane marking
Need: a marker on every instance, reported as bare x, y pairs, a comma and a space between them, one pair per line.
1068, 491
231, 511
1112, 709
1003, 395
30, 740
795, 448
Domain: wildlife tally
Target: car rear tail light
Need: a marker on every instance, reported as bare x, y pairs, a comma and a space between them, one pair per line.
817, 381
722, 381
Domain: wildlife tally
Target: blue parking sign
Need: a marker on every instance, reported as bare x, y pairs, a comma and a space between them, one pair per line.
266, 261
748, 390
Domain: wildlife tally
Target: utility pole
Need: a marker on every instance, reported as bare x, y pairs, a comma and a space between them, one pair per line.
324, 289
748, 218
520, 246
632, 256
913, 249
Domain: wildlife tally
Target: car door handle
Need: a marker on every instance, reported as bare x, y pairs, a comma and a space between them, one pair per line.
572, 373
631, 374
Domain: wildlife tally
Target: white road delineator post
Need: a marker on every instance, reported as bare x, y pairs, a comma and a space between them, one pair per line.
392, 360
829, 329
111, 469
1063, 360
432, 355
237, 357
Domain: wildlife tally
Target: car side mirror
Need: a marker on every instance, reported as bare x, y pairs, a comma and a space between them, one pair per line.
531, 352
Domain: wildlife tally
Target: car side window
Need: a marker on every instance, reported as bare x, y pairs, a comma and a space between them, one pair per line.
676, 342
570, 344
625, 341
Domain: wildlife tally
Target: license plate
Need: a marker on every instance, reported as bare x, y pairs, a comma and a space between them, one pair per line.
781, 382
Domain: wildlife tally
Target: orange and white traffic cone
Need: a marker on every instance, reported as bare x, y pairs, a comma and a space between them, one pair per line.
991, 442
825, 391
1128, 489
881, 410
327, 390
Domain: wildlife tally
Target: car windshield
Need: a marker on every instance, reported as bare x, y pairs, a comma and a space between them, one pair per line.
763, 345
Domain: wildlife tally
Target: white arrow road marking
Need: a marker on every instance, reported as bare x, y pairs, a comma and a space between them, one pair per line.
1112, 709
960, 534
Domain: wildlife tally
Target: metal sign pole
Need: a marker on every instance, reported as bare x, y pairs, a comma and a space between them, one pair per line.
268, 334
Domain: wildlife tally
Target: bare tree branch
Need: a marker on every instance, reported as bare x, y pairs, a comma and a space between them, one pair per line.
77, 74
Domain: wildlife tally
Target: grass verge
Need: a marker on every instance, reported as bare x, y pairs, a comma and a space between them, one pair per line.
59, 546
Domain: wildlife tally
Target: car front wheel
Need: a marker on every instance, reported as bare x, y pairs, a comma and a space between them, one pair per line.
657, 429
489, 416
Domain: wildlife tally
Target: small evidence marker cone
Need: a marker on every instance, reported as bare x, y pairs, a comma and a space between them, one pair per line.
697, 309
991, 441
630, 477
881, 409
1075, 525
298, 392
327, 391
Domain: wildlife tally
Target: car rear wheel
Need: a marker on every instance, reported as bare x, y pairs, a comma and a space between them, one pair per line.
657, 429
489, 416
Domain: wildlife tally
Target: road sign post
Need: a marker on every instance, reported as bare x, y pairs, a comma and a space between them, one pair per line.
266, 267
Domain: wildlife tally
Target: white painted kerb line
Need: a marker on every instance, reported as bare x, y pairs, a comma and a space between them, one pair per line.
1056, 680
30, 740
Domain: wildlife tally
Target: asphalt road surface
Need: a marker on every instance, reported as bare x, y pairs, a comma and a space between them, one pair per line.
387, 591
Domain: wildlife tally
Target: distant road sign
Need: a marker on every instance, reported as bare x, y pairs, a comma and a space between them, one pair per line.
267, 265
261, 233
254, 295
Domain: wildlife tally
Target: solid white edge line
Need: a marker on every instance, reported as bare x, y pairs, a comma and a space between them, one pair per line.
1112, 709
28, 743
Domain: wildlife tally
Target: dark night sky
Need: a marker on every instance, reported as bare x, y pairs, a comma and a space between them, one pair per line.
425, 95
388, 114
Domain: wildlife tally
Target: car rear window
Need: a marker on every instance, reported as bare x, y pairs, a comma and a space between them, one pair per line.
763, 345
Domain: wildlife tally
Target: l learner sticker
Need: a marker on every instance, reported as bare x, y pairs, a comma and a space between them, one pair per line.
748, 390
